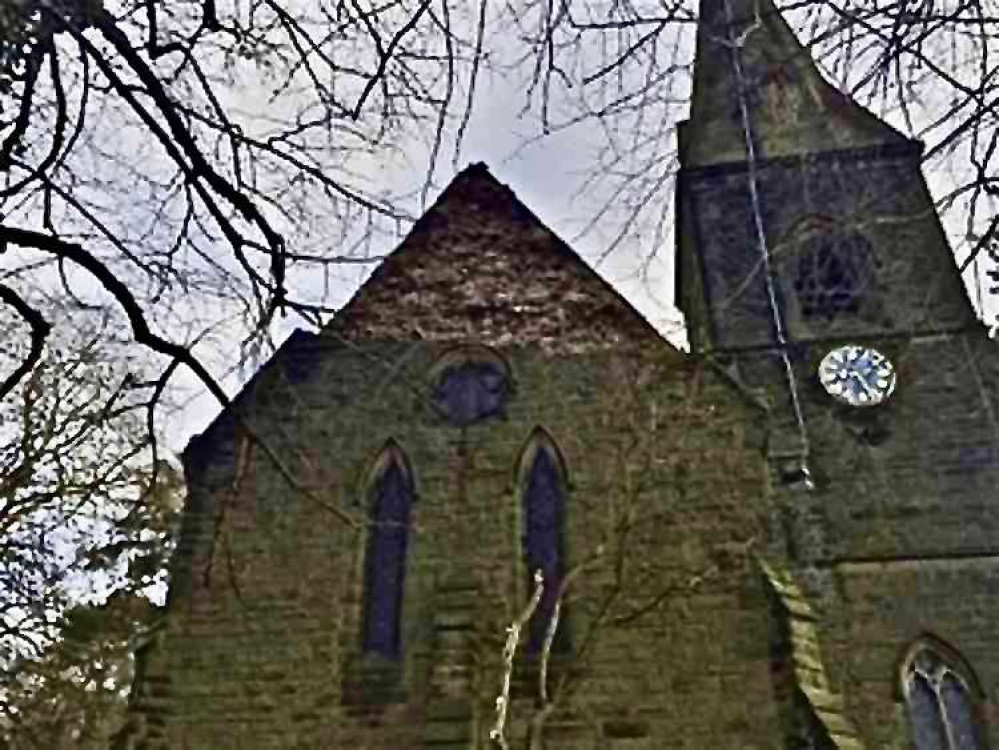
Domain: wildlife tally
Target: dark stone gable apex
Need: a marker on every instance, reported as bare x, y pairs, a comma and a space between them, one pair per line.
480, 267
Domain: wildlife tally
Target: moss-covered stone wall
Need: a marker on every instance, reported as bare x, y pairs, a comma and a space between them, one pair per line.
668, 625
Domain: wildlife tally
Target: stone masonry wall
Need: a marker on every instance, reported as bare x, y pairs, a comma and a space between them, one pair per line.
884, 608
899, 480
668, 622
898, 536
879, 194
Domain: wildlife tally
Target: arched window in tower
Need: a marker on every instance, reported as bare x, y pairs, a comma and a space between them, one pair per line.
543, 492
833, 272
942, 699
390, 501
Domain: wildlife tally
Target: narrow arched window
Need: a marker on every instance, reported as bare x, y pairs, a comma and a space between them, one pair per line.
390, 500
942, 700
543, 490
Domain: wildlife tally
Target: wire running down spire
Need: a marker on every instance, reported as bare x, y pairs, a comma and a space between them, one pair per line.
736, 43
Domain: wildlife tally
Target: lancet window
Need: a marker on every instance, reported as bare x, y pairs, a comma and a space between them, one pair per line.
941, 701
543, 492
390, 502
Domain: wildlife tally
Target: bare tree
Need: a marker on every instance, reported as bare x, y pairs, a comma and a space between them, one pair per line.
625, 576
146, 199
139, 176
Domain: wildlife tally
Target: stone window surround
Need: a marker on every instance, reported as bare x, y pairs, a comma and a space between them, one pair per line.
818, 246
468, 356
541, 441
931, 660
374, 673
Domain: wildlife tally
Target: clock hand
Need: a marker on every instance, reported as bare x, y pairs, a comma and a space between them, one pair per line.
863, 383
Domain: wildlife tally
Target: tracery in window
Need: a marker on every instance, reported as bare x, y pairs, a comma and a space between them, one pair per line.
470, 384
941, 699
833, 271
543, 489
390, 502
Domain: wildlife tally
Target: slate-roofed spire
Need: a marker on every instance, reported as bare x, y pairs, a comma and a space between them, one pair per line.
793, 110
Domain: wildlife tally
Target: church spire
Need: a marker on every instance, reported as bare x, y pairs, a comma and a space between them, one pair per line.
793, 110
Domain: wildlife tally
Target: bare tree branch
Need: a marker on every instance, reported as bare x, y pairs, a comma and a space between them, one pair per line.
39, 332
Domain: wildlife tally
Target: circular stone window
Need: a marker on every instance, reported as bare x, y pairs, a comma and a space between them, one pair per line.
470, 385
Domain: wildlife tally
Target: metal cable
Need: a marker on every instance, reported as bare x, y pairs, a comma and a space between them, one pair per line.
736, 44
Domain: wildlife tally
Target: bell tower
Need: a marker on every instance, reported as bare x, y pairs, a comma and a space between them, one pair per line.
806, 228
812, 266
803, 216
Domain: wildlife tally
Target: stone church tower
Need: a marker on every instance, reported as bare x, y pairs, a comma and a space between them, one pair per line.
784, 539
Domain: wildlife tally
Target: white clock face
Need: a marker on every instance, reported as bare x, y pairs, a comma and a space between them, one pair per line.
857, 376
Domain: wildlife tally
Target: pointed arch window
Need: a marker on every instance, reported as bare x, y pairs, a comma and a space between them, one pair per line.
543, 492
942, 699
835, 271
390, 501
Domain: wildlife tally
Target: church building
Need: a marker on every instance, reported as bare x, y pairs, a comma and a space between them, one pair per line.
489, 507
